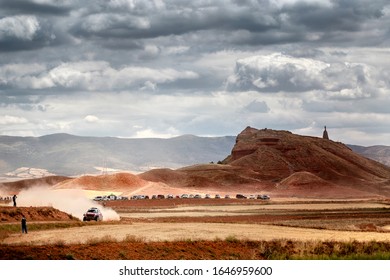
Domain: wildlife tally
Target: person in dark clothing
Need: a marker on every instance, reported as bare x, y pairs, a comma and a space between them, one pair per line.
14, 199
24, 225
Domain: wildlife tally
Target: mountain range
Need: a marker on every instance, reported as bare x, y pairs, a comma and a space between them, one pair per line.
69, 155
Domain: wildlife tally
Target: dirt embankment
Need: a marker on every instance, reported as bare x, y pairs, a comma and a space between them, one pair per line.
15, 214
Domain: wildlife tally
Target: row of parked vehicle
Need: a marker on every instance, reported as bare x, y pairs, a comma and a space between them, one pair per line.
185, 196
252, 196
110, 197
199, 196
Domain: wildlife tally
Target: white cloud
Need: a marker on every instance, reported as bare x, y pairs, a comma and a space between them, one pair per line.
7, 120
89, 75
257, 106
20, 27
176, 50
276, 72
11, 71
91, 119
282, 73
150, 133
23, 75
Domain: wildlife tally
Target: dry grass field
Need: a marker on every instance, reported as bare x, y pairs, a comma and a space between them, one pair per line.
212, 229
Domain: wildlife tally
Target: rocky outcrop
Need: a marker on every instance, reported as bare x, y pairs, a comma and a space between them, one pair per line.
276, 154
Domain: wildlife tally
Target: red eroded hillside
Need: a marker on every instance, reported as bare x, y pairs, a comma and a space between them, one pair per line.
284, 164
307, 185
277, 154
113, 182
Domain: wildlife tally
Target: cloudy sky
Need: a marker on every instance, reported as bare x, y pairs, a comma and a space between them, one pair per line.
163, 68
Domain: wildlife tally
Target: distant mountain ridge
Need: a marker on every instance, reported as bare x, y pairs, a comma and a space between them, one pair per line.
379, 153
70, 155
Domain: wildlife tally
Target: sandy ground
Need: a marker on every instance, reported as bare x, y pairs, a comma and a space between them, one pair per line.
193, 231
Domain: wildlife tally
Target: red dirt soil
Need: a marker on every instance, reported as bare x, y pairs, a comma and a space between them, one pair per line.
15, 214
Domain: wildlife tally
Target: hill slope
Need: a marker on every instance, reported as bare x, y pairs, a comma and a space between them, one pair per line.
284, 164
280, 153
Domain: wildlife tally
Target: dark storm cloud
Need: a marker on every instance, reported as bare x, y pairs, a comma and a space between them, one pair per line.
257, 22
13, 44
31, 7
179, 20
342, 15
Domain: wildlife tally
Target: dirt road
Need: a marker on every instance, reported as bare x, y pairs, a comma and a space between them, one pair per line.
193, 231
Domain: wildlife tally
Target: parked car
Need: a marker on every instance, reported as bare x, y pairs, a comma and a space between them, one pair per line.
170, 196
98, 198
184, 195
252, 196
197, 196
93, 214
207, 196
111, 197
240, 196
217, 196
227, 196
263, 197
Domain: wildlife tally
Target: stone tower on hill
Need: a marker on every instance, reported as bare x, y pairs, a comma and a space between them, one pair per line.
325, 134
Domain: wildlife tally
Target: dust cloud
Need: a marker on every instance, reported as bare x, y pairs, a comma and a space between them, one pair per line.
71, 201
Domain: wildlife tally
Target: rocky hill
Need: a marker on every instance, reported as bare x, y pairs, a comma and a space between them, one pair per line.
277, 154
287, 165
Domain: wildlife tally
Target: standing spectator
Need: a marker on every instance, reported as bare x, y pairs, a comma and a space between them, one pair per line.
24, 224
14, 199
